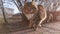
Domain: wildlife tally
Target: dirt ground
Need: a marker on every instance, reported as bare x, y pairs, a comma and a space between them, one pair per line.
48, 28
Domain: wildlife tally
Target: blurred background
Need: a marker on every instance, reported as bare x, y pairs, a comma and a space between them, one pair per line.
11, 17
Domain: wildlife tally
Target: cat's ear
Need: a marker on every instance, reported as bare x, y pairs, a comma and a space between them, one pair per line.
25, 1
34, 4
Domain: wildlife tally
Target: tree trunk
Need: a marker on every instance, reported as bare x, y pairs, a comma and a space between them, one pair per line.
2, 7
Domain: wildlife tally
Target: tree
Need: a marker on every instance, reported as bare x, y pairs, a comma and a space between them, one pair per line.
2, 7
